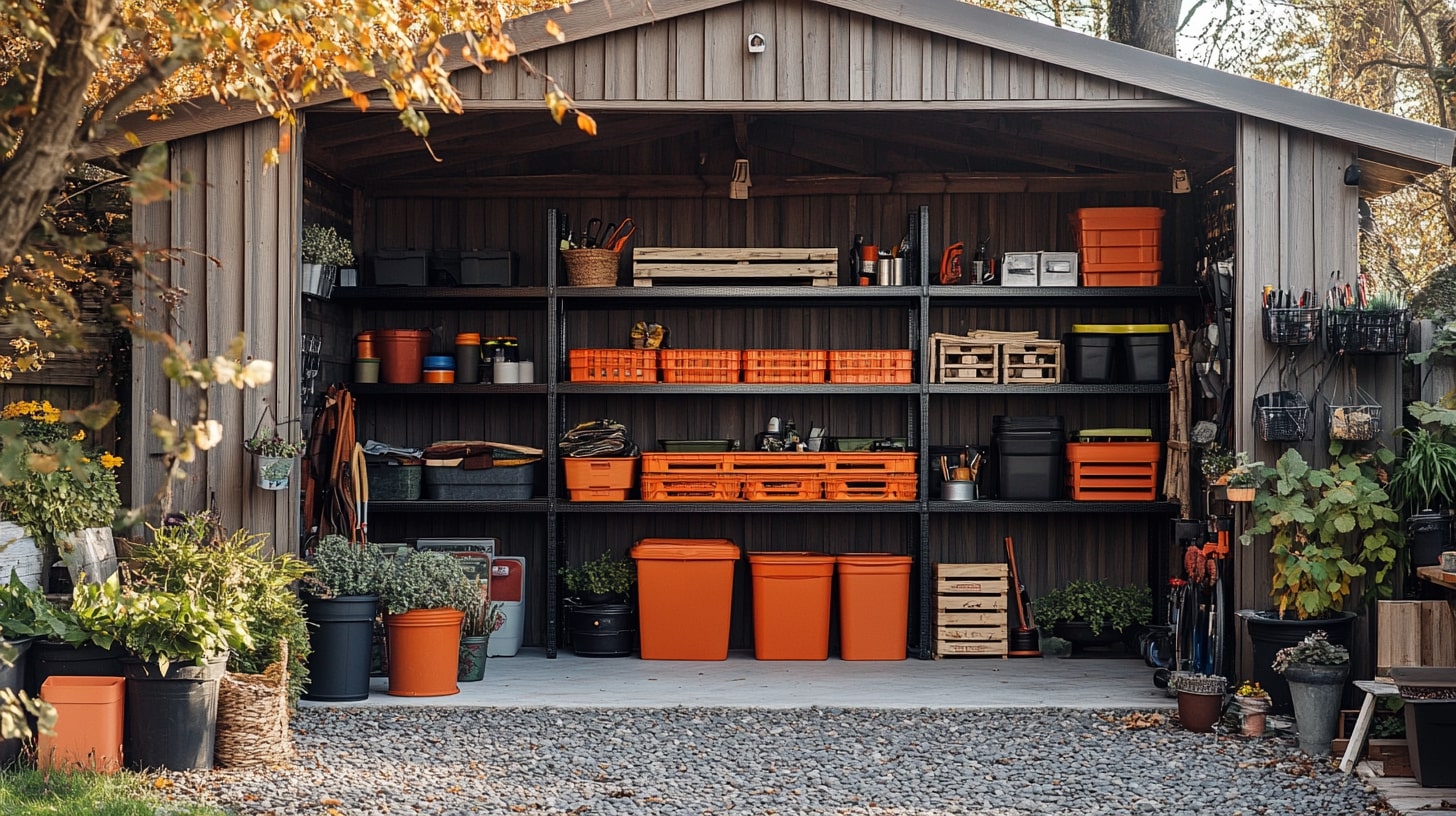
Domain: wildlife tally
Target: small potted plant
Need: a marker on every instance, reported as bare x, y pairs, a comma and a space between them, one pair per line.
323, 252
481, 620
604, 579
1253, 702
1214, 462
341, 597
1316, 670
425, 596
1200, 700
274, 455
1243, 478
600, 621
1094, 613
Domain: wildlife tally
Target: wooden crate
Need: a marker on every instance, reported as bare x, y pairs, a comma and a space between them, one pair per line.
963, 360
970, 610
1414, 633
1037, 362
718, 266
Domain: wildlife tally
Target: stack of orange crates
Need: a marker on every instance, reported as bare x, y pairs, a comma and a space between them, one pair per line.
1114, 471
755, 476
784, 365
613, 365
1120, 246
700, 365
877, 366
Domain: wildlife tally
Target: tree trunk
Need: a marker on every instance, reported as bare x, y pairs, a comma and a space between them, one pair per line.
1151, 25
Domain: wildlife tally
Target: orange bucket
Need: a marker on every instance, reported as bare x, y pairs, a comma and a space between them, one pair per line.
874, 606
791, 592
401, 354
684, 597
424, 652
88, 723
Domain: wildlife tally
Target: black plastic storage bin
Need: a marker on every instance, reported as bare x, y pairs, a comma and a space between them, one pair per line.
1029, 453
1120, 352
1147, 357
1090, 357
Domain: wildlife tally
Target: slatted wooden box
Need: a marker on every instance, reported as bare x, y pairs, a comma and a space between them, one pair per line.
963, 360
1038, 362
719, 266
970, 610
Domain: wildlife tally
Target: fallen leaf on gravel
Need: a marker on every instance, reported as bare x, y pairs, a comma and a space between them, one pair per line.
161, 783
330, 802
621, 794
1139, 720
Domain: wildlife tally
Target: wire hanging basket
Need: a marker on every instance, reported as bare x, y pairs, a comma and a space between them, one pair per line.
1282, 416
1359, 331
1354, 416
1292, 326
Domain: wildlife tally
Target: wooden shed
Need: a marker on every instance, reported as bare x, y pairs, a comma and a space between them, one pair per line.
931, 123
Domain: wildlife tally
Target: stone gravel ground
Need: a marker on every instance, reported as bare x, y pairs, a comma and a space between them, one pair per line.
779, 762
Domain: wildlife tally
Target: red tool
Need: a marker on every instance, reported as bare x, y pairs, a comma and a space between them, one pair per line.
950, 263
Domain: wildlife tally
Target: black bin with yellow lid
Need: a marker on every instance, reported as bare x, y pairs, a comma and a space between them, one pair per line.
1120, 352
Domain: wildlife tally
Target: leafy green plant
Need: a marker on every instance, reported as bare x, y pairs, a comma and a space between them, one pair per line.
341, 567
156, 625
1441, 351
53, 483
1425, 477
604, 575
324, 245
272, 443
427, 580
1214, 461
1244, 473
1315, 649
1329, 525
24, 611
1098, 603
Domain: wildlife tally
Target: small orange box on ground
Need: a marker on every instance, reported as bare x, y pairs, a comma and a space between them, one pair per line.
888, 366
88, 729
684, 597
704, 487
874, 605
602, 478
1114, 471
784, 365
791, 592
613, 365
700, 365
1121, 278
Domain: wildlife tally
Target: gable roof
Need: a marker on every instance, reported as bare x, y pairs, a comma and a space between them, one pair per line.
1408, 147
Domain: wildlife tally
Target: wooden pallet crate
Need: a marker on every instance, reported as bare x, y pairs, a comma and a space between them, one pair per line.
970, 610
720, 266
1037, 362
963, 360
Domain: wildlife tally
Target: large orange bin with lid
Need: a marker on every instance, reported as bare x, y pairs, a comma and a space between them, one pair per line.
88, 729
684, 597
791, 601
874, 605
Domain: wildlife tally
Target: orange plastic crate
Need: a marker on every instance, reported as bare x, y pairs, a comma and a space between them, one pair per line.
700, 365
782, 487
784, 365
1119, 239
873, 366
600, 478
865, 487
749, 462
1121, 278
598, 495
658, 487
613, 365
683, 464
1114, 471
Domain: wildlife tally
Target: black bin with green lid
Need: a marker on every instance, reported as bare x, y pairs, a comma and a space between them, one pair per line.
1120, 352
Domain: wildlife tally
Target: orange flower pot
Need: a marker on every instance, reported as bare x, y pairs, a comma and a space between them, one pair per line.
88, 724
424, 652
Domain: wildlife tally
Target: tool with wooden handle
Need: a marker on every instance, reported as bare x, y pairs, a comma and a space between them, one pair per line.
1025, 640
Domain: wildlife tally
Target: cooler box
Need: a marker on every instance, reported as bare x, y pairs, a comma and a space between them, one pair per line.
508, 588
791, 593
684, 597
874, 605
88, 723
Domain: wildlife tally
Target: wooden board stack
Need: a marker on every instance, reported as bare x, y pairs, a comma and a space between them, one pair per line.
970, 610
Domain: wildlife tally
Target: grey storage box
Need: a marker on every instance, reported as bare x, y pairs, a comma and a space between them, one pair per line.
488, 267
401, 267
1020, 268
499, 483
1058, 269
390, 480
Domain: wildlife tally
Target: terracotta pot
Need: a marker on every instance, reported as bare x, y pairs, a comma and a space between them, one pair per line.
1240, 494
424, 652
1198, 712
1255, 713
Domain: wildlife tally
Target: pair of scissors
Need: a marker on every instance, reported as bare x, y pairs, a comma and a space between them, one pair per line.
591, 233
617, 237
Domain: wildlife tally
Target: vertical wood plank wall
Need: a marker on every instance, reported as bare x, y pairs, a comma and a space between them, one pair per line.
231, 236
1297, 222
814, 52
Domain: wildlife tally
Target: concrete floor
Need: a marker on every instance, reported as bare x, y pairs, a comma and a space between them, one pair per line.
529, 679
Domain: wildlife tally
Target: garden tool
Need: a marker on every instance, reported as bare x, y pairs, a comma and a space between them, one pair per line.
1025, 641
359, 479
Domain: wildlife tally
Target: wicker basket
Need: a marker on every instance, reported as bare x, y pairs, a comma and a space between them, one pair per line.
252, 717
590, 267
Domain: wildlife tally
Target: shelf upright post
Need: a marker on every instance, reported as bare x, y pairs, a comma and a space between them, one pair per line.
920, 430
555, 342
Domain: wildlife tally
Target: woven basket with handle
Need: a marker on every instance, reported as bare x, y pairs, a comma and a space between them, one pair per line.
590, 267
252, 717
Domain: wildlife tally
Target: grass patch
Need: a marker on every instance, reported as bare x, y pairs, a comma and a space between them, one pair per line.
33, 793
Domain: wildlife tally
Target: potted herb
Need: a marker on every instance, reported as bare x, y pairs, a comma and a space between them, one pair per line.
1253, 702
425, 595
605, 579
1092, 613
1316, 670
341, 598
599, 620
58, 489
481, 620
274, 455
323, 251
1243, 478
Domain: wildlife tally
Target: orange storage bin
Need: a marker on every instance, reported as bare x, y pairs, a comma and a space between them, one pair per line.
782, 487
684, 597
874, 605
1122, 278
88, 723
1119, 239
791, 592
1114, 471
659, 487
890, 366
613, 365
401, 354
700, 365
784, 365
600, 478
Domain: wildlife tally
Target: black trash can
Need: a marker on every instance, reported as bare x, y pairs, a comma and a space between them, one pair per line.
605, 630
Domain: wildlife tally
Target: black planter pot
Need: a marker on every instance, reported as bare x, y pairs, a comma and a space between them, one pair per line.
1084, 639
12, 677
341, 632
608, 630
48, 658
1430, 727
1429, 535
1269, 633
171, 716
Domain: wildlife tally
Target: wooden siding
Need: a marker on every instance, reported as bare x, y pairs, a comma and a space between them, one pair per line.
1296, 224
231, 233
814, 53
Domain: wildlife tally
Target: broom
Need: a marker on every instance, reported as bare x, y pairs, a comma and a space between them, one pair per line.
1025, 642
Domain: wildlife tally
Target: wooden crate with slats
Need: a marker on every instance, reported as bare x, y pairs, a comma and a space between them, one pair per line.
970, 610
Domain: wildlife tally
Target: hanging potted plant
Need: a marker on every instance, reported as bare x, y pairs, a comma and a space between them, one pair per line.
323, 251
273, 454
1243, 478
1327, 526
425, 596
1316, 670
481, 620
341, 597
1214, 462
59, 490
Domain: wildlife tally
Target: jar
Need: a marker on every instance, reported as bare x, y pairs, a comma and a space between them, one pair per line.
364, 346
439, 368
467, 357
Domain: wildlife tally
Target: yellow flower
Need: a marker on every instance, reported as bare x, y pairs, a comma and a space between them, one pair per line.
111, 461
78, 435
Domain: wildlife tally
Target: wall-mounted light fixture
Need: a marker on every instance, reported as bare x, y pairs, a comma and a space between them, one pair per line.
757, 43
1352, 175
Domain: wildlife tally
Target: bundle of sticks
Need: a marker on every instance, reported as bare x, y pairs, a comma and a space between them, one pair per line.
1180, 398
